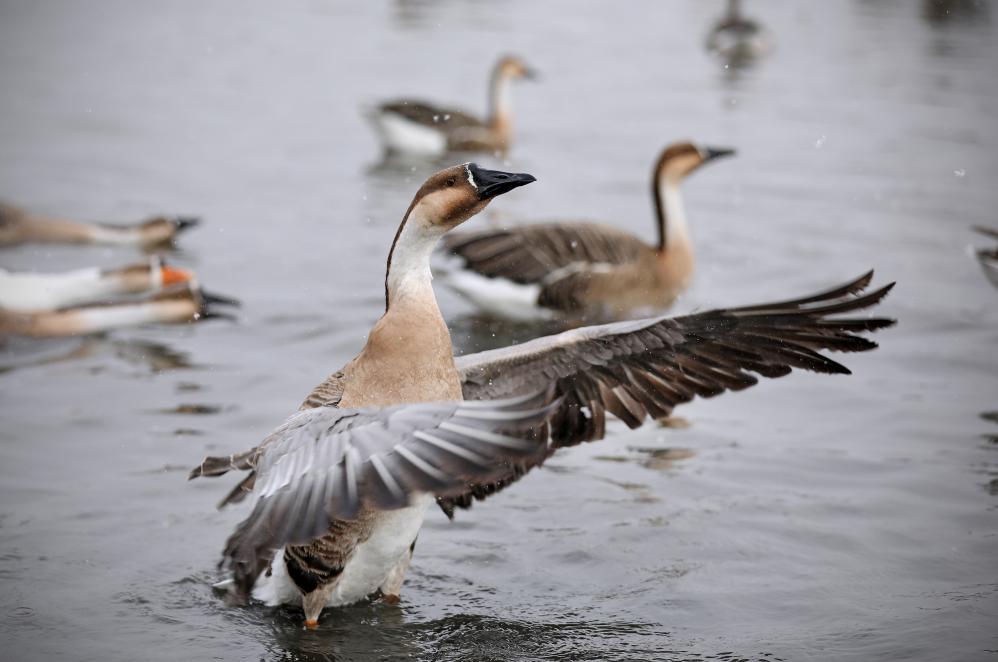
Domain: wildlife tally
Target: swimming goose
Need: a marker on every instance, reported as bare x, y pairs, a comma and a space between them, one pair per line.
738, 40
988, 257
28, 291
21, 226
407, 125
179, 304
341, 488
548, 270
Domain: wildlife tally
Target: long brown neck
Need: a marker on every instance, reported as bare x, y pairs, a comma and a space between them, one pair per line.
408, 356
669, 212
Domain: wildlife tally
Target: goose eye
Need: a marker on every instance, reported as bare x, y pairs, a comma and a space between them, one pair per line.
450, 181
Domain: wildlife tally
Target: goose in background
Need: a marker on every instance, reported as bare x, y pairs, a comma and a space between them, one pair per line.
409, 125
32, 291
19, 226
179, 304
341, 488
738, 40
577, 269
988, 257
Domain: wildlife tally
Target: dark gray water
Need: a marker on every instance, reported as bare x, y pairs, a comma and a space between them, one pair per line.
812, 518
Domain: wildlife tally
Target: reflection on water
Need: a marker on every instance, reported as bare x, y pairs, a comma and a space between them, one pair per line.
30, 352
187, 409
737, 40
943, 12
477, 332
991, 439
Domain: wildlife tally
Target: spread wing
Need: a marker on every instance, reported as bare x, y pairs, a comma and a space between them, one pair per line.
646, 367
544, 252
430, 115
327, 464
326, 394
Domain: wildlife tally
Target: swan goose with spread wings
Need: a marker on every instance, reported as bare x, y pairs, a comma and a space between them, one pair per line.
340, 490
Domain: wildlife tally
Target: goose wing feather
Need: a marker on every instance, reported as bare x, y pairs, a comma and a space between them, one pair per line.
327, 464
641, 368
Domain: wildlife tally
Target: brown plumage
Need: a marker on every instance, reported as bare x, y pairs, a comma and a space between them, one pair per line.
178, 304
644, 368
584, 269
344, 482
19, 226
409, 125
328, 524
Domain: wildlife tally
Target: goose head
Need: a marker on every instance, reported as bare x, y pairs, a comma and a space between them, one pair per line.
453, 195
447, 199
680, 159
513, 68
163, 229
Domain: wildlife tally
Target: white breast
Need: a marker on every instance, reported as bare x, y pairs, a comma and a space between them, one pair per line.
366, 570
403, 135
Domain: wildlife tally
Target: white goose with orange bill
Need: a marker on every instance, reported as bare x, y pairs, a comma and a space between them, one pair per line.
32, 291
578, 269
417, 127
341, 488
179, 304
19, 226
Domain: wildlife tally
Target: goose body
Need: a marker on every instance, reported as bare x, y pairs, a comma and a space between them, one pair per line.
19, 226
340, 489
29, 291
548, 270
418, 127
181, 303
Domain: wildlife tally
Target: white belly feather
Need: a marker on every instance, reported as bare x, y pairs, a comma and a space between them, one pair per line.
368, 567
403, 135
499, 296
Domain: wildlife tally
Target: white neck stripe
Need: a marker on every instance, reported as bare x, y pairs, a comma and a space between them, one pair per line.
471, 178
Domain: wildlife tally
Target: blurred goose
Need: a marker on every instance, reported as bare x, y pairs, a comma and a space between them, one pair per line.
341, 488
988, 257
21, 226
578, 269
408, 125
179, 304
27, 291
738, 40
